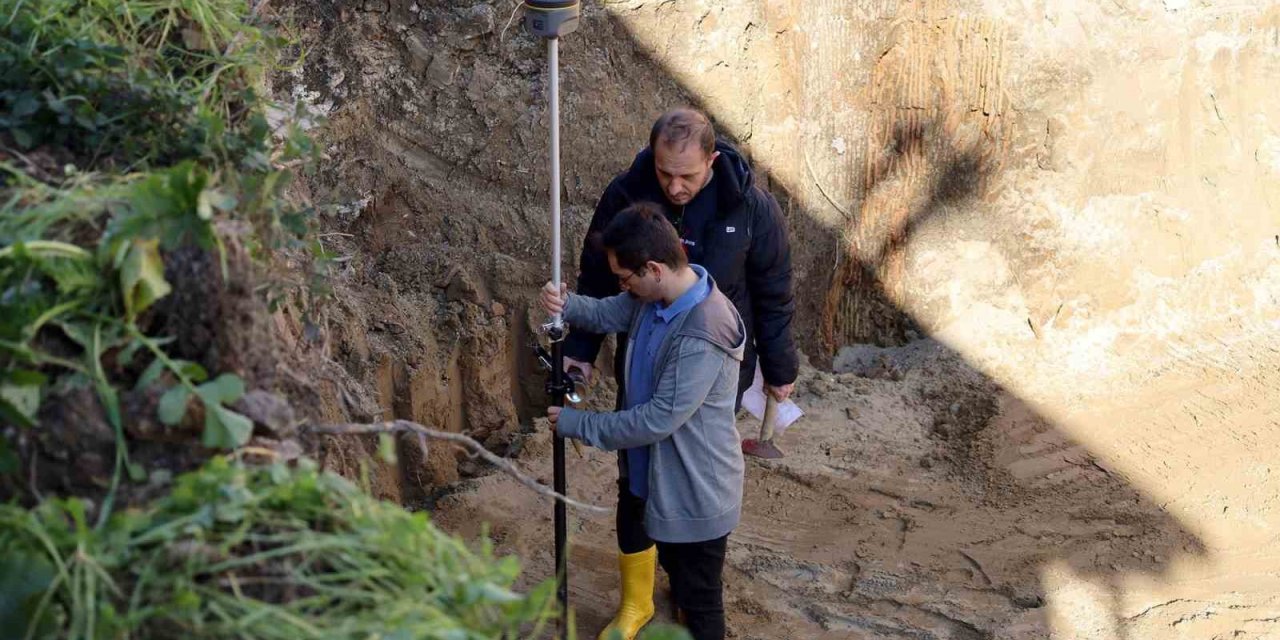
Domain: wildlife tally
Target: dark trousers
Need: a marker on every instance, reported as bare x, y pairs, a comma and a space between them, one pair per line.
695, 568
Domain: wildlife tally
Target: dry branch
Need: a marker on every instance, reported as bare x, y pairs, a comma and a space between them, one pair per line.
506, 466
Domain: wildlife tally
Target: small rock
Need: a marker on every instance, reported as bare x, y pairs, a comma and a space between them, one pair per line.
1028, 601
386, 283
498, 309
91, 465
271, 414
483, 79
954, 408
462, 287
477, 21
420, 52
440, 71
851, 413
75, 420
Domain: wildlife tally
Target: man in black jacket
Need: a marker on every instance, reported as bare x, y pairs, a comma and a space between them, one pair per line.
733, 229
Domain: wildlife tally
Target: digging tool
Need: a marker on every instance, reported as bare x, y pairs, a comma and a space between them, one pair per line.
551, 19
764, 446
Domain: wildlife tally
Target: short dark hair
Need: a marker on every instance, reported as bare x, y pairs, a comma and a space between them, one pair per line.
678, 127
640, 234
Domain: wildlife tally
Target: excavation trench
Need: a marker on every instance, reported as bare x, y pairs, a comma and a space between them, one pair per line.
1041, 368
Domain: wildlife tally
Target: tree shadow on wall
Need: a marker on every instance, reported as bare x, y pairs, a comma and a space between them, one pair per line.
1044, 503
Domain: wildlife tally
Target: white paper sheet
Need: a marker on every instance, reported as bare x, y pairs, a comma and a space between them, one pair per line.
753, 402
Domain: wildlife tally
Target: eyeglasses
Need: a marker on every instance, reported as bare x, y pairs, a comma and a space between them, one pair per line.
623, 280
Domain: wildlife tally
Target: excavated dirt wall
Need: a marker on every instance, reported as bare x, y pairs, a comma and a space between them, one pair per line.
1036, 242
436, 138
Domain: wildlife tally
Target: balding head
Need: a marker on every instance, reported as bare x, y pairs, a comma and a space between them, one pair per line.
684, 149
678, 128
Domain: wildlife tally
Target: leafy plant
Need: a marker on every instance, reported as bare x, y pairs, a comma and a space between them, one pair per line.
82, 260
268, 552
94, 301
167, 87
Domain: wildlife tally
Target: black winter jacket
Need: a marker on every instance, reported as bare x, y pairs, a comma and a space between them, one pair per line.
743, 245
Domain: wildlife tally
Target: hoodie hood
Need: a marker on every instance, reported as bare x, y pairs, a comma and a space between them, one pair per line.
717, 321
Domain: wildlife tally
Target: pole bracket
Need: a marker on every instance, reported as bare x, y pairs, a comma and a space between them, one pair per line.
568, 385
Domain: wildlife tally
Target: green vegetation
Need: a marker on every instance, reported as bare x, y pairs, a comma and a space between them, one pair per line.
129, 130
135, 84
236, 552
262, 553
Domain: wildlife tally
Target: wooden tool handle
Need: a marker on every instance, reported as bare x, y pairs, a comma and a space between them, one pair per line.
770, 417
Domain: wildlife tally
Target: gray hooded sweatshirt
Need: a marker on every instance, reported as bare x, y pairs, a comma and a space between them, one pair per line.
695, 458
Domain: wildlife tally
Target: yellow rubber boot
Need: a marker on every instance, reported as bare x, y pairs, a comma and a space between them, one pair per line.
636, 609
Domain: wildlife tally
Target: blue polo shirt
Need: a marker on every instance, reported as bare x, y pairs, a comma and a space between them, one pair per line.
655, 322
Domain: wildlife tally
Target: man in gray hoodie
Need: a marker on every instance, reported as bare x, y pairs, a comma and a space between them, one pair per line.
685, 344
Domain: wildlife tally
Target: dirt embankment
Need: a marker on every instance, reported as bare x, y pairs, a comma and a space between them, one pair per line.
436, 142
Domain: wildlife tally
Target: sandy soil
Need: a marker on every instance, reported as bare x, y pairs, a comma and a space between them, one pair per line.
917, 500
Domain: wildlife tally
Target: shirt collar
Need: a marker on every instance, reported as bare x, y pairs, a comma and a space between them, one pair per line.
697, 293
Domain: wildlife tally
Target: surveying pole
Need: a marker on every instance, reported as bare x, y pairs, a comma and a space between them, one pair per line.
551, 19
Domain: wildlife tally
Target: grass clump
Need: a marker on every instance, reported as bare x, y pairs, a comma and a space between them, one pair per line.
236, 551
267, 552
129, 84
